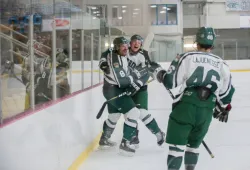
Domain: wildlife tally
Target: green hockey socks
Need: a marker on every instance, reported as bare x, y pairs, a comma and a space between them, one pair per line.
191, 158
176, 154
175, 157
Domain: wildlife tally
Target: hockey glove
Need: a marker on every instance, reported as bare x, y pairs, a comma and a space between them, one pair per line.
139, 72
134, 87
221, 113
157, 71
104, 66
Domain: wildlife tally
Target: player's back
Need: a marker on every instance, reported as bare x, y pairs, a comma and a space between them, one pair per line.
201, 69
198, 69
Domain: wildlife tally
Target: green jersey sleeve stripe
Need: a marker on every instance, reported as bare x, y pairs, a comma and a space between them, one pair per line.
228, 98
228, 89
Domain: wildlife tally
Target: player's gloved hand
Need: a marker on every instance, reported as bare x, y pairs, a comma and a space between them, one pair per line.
138, 72
104, 66
157, 71
134, 87
221, 113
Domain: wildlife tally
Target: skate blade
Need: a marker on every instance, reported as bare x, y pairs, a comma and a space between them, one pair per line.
106, 147
125, 153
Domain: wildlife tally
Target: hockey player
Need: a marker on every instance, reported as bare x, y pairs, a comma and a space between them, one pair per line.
42, 69
42, 77
118, 81
205, 82
139, 59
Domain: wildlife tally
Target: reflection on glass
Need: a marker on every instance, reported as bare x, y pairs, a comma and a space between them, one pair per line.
16, 57
15, 52
97, 11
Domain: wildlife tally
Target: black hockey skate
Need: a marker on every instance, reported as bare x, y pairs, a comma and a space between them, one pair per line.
160, 138
105, 143
135, 140
126, 148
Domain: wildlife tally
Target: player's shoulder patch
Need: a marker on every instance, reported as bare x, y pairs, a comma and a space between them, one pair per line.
116, 65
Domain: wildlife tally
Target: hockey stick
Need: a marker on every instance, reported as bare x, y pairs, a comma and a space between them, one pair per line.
113, 98
203, 142
208, 150
105, 103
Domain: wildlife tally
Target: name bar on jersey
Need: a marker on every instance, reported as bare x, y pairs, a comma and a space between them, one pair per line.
206, 60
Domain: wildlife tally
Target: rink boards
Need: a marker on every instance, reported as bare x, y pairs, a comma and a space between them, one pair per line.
61, 136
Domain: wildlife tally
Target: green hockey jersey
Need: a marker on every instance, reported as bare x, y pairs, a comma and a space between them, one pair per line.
195, 69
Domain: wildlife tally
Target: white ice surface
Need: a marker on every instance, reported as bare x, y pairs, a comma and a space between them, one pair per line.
229, 142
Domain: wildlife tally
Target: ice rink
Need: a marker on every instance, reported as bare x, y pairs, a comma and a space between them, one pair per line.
229, 142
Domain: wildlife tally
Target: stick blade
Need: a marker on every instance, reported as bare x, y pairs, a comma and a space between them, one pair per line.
101, 111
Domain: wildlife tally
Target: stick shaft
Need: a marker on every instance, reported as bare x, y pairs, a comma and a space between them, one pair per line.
113, 98
208, 150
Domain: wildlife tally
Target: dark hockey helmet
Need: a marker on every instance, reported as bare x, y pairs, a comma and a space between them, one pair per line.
205, 36
119, 41
136, 37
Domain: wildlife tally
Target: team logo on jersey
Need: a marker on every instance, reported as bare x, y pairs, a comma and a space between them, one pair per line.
116, 65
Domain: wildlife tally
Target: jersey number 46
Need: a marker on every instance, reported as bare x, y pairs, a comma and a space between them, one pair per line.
196, 79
